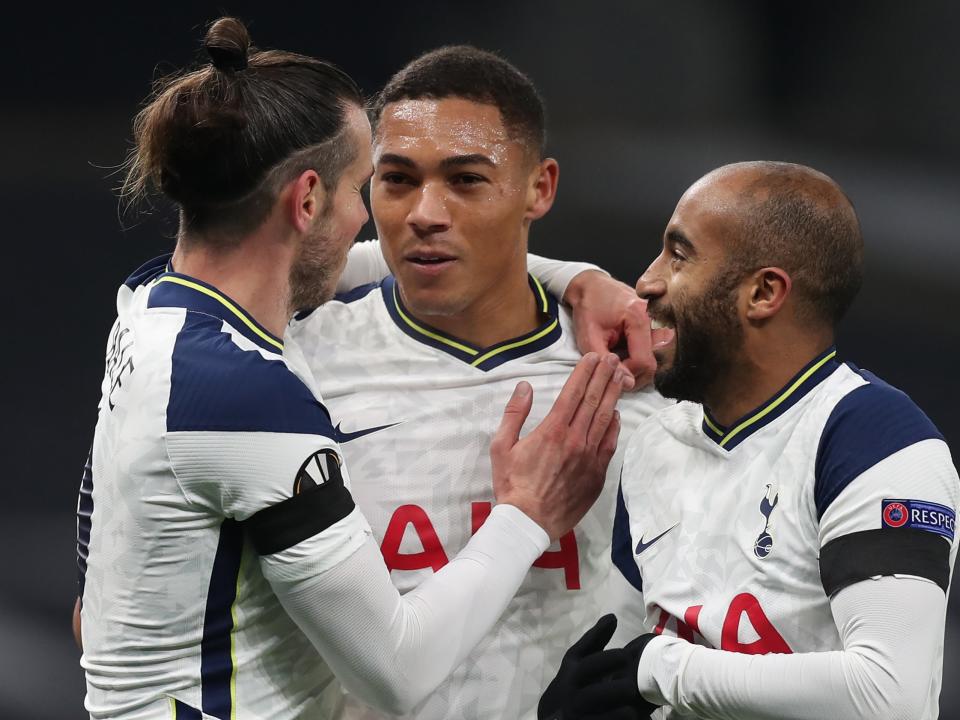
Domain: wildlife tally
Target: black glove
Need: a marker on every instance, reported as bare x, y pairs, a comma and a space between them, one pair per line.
597, 684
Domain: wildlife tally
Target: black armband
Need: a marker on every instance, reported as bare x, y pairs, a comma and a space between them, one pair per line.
302, 516
903, 551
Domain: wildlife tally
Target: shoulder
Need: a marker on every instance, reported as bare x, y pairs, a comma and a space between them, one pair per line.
341, 314
221, 381
869, 423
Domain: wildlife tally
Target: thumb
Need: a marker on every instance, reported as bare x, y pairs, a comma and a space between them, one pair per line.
514, 415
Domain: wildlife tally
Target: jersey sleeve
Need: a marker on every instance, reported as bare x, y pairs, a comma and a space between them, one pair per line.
248, 440
886, 491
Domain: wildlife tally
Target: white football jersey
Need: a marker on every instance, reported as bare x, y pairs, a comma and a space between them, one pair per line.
738, 536
415, 411
202, 425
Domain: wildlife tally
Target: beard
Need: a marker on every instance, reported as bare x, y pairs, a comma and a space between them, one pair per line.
708, 333
314, 274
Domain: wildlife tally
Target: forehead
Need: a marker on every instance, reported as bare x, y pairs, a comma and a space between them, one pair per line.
454, 125
708, 213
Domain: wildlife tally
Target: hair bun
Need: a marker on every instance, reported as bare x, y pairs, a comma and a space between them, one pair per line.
227, 43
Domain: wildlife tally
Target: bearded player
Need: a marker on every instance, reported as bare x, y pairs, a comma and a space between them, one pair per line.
421, 362
792, 523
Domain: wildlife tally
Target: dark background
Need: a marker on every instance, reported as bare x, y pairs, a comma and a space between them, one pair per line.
643, 98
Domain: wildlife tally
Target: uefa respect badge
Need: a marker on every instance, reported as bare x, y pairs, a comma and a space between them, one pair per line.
919, 515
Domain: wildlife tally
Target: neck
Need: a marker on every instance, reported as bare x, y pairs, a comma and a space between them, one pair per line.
255, 273
759, 373
509, 309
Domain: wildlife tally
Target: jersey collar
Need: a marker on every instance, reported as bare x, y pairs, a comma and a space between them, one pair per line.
171, 289
812, 374
482, 358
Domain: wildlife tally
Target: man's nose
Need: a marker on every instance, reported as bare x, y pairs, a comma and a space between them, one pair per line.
429, 213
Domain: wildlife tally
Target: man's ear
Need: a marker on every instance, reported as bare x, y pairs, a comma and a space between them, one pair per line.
305, 200
542, 190
769, 289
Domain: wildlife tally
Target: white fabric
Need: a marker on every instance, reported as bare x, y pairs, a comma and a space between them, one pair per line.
891, 633
365, 264
392, 651
421, 475
730, 539
206, 425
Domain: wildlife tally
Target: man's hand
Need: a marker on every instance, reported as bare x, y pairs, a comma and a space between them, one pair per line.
555, 473
607, 316
597, 684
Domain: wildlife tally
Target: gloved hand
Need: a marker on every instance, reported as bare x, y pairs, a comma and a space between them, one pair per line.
597, 684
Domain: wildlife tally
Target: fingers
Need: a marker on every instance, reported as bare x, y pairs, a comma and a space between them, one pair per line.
608, 445
514, 415
598, 404
596, 638
571, 395
636, 329
606, 408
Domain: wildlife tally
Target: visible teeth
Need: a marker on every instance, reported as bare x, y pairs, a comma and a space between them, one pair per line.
656, 324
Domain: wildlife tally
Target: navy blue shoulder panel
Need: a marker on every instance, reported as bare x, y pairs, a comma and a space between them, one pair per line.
215, 385
621, 550
871, 423
358, 292
148, 271
352, 295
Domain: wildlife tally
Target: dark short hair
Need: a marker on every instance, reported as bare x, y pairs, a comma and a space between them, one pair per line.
799, 219
467, 72
221, 139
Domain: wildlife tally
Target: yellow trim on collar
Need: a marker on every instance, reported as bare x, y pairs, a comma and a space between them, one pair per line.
424, 331
786, 393
226, 303
511, 346
710, 425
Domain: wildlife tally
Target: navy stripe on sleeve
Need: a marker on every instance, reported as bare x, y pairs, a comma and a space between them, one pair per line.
621, 549
216, 656
868, 425
217, 386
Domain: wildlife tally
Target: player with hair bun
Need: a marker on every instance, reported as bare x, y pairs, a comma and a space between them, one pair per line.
225, 571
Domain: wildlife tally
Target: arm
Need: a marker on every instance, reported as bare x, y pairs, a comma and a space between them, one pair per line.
317, 553
392, 651
891, 629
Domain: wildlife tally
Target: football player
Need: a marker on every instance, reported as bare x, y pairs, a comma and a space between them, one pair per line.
221, 552
792, 522
417, 365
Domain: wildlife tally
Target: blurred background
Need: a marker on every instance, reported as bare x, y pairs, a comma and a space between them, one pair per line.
642, 99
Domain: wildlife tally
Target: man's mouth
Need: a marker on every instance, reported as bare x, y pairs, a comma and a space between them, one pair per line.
662, 333
428, 257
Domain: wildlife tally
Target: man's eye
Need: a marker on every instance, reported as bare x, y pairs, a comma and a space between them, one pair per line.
468, 179
676, 257
394, 178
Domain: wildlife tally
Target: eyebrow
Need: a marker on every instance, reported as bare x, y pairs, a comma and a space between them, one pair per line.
453, 161
676, 237
472, 159
394, 159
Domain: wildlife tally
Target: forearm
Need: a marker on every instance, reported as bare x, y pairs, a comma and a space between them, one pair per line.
891, 628
392, 651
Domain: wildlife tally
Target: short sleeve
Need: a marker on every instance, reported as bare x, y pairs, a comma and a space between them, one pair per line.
886, 491
247, 440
